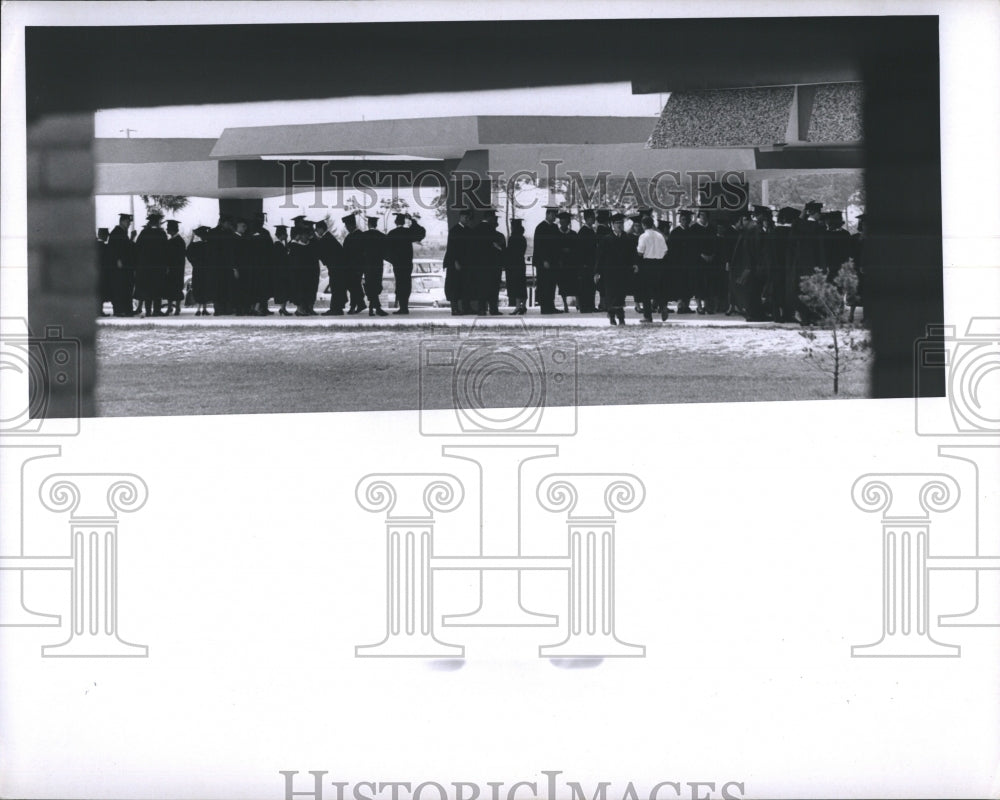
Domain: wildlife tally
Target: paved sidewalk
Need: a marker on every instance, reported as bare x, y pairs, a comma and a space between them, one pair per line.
437, 317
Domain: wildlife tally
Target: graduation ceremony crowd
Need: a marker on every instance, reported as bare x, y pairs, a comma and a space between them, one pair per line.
745, 263
238, 267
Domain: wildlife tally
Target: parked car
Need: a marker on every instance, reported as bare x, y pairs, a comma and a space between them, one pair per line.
428, 284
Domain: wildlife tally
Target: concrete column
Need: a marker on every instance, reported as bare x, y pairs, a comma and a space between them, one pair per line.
62, 261
468, 184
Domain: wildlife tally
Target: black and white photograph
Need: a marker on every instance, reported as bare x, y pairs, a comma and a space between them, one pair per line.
280, 233
443, 400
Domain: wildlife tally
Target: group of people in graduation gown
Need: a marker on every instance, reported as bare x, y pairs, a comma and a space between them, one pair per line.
479, 259
147, 268
749, 265
355, 266
766, 262
238, 267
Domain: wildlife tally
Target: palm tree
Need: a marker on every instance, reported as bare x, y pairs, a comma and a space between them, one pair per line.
167, 203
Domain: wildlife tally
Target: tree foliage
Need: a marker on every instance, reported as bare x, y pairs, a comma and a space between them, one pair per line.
167, 203
834, 343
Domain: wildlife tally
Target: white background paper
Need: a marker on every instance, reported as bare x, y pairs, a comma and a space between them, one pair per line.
251, 573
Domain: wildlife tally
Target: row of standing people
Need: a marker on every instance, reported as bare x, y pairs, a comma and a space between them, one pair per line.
751, 266
239, 268
746, 264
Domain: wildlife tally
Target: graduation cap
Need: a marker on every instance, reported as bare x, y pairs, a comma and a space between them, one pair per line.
564, 214
788, 215
551, 208
616, 217
124, 215
350, 219
154, 214
833, 218
762, 211
603, 215
517, 222
812, 206
103, 232
401, 217
281, 229
202, 231
173, 225
588, 213
372, 221
259, 216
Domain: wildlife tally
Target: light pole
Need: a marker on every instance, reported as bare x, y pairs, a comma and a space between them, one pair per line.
131, 198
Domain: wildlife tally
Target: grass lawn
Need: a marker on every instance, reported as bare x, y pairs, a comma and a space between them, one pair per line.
145, 370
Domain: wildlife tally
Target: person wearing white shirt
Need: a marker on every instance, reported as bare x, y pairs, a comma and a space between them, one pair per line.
652, 249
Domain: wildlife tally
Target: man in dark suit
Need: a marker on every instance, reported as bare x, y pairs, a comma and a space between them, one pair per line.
487, 264
703, 250
221, 256
173, 291
515, 268
197, 254
603, 229
280, 282
616, 267
458, 258
567, 256
354, 263
151, 264
587, 241
544, 260
105, 272
400, 254
681, 261
303, 262
331, 253
806, 241
120, 256
261, 248
782, 270
245, 270
836, 244
374, 266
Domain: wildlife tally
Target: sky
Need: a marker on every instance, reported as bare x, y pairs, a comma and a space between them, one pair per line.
613, 99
